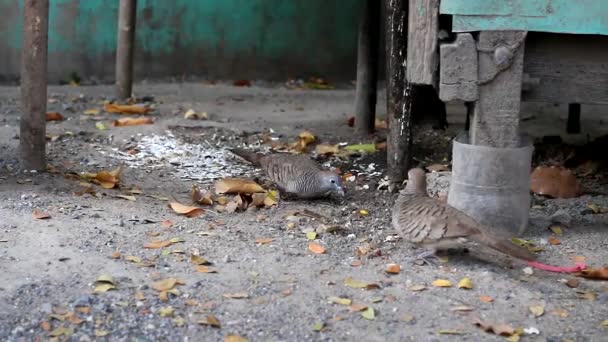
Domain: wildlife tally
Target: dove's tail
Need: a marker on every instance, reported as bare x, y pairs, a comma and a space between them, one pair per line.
504, 246
252, 157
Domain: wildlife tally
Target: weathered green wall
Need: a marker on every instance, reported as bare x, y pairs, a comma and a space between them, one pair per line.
271, 39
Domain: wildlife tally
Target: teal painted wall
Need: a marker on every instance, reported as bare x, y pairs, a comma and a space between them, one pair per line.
271, 39
557, 16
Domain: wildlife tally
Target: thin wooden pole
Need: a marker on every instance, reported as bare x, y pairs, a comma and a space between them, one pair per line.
367, 67
124, 48
574, 118
33, 85
399, 93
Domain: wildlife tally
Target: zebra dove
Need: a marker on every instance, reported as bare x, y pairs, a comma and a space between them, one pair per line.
296, 175
423, 220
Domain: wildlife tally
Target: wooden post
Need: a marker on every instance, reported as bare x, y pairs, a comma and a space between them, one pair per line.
33, 85
574, 118
496, 116
124, 49
399, 93
367, 67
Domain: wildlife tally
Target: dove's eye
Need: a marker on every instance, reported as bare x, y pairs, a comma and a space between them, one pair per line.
333, 181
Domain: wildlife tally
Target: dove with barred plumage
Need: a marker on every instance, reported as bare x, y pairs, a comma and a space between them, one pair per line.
435, 225
296, 175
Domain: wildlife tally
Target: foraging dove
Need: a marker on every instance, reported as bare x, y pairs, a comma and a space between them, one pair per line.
297, 175
423, 220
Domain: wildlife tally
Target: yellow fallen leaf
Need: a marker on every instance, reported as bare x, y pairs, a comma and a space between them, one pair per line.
327, 149
186, 210
311, 235
363, 212
604, 323
442, 283
537, 310
417, 288
358, 284
366, 148
235, 338
465, 283
595, 208
237, 185
101, 332
100, 126
103, 287
316, 248
393, 268
340, 300
199, 260
92, 111
557, 230
133, 258
210, 320
157, 244
166, 311
307, 137
105, 278
61, 331
369, 313
132, 121
125, 109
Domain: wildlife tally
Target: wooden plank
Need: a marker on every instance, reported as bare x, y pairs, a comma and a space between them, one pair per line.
33, 85
399, 94
423, 24
367, 67
496, 116
569, 68
558, 16
125, 47
458, 73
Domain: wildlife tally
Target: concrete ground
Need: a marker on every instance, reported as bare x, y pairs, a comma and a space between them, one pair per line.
273, 291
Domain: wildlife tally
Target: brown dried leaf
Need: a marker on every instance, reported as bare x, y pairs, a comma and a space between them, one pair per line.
237, 185
158, 244
126, 109
210, 320
263, 241
236, 295
40, 215
201, 196
500, 329
235, 338
165, 284
186, 210
316, 248
594, 273
553, 181
205, 269
54, 116
393, 268
486, 299
132, 121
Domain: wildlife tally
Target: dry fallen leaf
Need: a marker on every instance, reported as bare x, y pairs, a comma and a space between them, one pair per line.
165, 284
205, 269
340, 300
126, 109
236, 295
104, 283
158, 244
555, 182
560, 312
106, 179
393, 268
191, 114
166, 311
461, 308
557, 230
357, 284
486, 299
316, 248
441, 283
40, 215
210, 320
500, 329
356, 307
132, 121
594, 273
235, 338
554, 241
167, 223
54, 116
263, 241
115, 255
127, 197
199, 260
186, 210
417, 288
61, 331
236, 186
465, 283
327, 149
437, 168
92, 111
368, 313
537, 310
